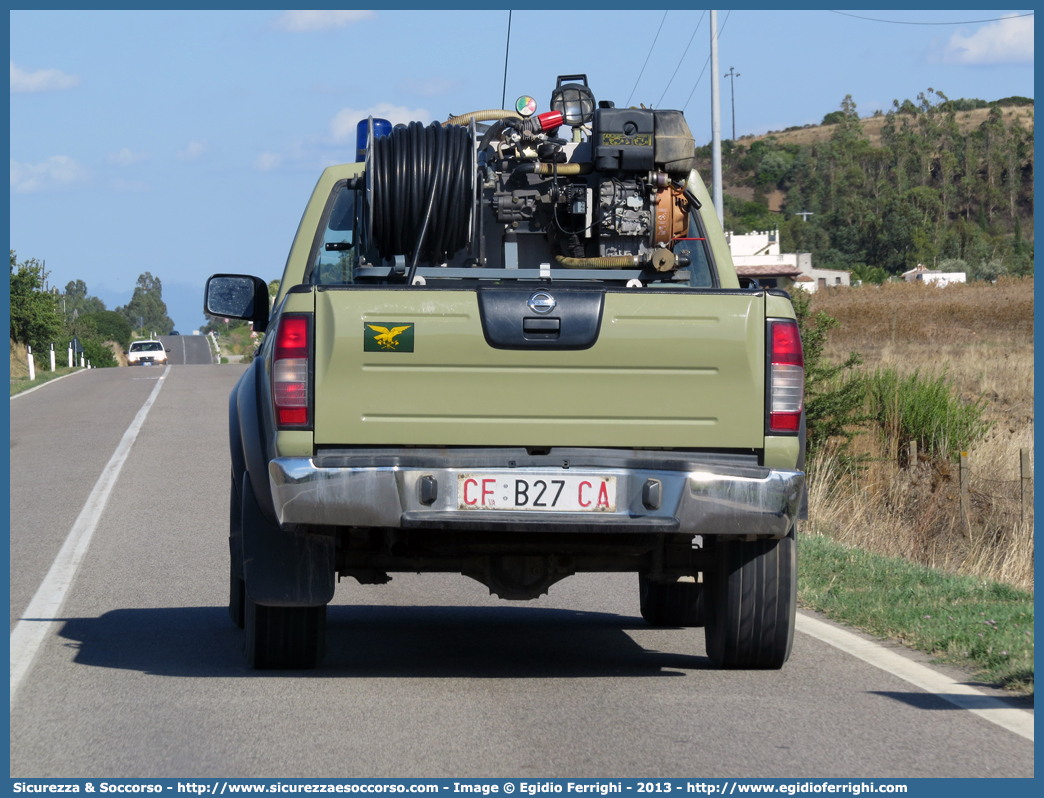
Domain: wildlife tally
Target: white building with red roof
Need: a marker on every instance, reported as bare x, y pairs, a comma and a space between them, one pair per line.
756, 255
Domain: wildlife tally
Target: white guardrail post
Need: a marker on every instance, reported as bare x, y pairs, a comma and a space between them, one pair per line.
29, 358
70, 355
52, 357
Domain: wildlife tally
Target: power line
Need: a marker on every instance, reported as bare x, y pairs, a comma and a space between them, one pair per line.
680, 60
653, 45
705, 63
902, 22
697, 83
507, 49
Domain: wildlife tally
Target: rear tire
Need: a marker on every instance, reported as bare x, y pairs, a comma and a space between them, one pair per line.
672, 604
284, 637
751, 603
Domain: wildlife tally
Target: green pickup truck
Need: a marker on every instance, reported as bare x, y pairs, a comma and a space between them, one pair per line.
513, 346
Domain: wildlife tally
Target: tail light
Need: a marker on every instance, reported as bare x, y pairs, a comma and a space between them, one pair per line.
290, 367
786, 388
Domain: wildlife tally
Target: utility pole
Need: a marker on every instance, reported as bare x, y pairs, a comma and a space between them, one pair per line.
719, 204
732, 75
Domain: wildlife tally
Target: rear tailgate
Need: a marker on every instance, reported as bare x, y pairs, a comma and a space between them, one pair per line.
683, 370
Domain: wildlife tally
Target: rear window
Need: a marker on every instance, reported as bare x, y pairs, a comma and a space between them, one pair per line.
335, 256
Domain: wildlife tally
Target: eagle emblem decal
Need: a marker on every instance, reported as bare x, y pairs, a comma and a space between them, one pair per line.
387, 337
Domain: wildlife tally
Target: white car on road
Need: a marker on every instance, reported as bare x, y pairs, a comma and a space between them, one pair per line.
147, 353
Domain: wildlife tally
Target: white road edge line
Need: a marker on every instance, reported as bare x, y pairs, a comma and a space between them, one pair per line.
931, 681
43, 384
43, 611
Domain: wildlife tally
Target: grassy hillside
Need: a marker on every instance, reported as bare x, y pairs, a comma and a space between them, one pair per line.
922, 184
967, 121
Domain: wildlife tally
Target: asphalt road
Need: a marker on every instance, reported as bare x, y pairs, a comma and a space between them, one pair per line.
187, 350
142, 673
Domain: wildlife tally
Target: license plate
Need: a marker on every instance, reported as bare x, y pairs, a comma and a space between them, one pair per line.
544, 492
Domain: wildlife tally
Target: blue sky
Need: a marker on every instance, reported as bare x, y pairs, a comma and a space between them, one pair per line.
186, 143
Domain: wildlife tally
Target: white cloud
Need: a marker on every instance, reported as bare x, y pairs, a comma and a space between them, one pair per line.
267, 161
432, 87
55, 174
307, 21
127, 158
193, 151
1008, 41
41, 80
342, 126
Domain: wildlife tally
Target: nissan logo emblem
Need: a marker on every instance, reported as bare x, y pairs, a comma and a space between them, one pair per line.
542, 302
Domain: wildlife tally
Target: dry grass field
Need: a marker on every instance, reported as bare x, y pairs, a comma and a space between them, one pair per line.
966, 121
981, 337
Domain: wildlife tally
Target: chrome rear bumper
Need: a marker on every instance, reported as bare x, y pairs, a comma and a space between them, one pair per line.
727, 500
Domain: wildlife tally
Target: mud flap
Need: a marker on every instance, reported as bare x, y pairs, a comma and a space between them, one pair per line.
283, 569
235, 530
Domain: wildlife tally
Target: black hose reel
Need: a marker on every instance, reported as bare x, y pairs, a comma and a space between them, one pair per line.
420, 189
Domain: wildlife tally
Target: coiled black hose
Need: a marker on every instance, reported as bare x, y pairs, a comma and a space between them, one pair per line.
421, 192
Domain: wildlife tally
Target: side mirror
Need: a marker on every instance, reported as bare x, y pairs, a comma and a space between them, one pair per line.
167, 350
237, 296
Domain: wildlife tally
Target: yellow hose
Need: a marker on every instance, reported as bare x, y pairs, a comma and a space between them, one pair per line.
611, 262
567, 169
481, 116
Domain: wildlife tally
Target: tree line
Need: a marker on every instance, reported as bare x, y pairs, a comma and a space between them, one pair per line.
930, 194
42, 314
